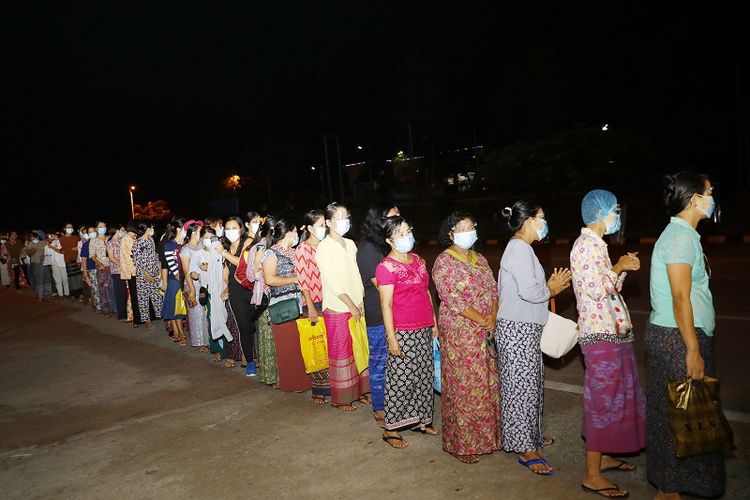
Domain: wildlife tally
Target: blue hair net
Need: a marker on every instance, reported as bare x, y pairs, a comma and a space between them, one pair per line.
596, 205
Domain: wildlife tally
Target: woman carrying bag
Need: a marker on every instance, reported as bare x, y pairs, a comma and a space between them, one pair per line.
679, 336
614, 409
284, 304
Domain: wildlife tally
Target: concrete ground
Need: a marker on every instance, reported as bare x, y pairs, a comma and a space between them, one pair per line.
91, 408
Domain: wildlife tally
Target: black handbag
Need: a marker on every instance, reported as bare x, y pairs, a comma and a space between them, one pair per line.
203, 296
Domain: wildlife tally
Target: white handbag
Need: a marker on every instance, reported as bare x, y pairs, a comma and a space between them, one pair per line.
559, 336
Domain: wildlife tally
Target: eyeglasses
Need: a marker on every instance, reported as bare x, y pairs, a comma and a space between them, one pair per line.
617, 210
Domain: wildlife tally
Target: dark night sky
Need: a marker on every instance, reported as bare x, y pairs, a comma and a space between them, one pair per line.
175, 98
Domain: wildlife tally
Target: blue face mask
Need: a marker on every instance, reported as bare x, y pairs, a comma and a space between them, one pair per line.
614, 226
465, 240
101, 230
542, 233
709, 210
404, 244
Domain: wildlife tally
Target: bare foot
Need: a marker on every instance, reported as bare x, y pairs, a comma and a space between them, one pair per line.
203, 349
379, 418
319, 400
467, 459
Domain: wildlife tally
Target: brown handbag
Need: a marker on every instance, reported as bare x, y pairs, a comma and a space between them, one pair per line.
696, 419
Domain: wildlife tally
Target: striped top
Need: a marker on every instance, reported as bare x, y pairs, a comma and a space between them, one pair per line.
308, 274
172, 257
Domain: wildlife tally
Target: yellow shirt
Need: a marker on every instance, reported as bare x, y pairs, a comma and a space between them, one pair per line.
339, 273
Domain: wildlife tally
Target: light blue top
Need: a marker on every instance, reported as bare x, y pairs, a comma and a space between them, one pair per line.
680, 243
521, 285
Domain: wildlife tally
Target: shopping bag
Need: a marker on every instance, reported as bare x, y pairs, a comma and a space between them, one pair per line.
437, 383
180, 307
358, 331
619, 312
559, 336
314, 344
696, 420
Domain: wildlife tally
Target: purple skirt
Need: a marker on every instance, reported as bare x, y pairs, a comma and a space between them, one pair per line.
614, 409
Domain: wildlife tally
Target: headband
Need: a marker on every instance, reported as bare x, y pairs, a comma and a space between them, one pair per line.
186, 225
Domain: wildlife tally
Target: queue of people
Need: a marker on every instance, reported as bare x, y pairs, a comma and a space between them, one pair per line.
228, 285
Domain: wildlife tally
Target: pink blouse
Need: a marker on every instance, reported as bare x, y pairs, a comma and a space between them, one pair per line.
412, 308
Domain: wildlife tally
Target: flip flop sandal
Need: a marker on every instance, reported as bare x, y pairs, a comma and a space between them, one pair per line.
388, 440
533, 461
620, 466
601, 491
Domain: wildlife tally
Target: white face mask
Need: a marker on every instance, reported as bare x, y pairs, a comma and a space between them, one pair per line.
320, 233
84, 236
295, 240
92, 235
207, 242
35, 241
2, 242
219, 231
68, 230
343, 226
233, 235
121, 234
254, 227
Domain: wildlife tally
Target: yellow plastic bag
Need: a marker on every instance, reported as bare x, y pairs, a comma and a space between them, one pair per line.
314, 344
179, 304
360, 345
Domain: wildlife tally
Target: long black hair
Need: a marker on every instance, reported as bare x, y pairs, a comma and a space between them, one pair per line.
371, 228
680, 187
518, 213
310, 219
192, 229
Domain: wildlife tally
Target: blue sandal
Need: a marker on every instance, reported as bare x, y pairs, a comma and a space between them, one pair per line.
533, 461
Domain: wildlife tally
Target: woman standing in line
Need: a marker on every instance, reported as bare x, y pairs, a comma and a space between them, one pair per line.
280, 277
410, 326
98, 253
174, 238
614, 412
127, 269
343, 298
118, 285
308, 278
190, 260
266, 362
468, 308
235, 243
371, 250
679, 336
147, 275
524, 297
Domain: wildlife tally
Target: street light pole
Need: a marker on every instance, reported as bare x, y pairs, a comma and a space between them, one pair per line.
132, 205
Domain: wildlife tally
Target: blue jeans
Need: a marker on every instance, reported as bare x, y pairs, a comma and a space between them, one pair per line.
378, 356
